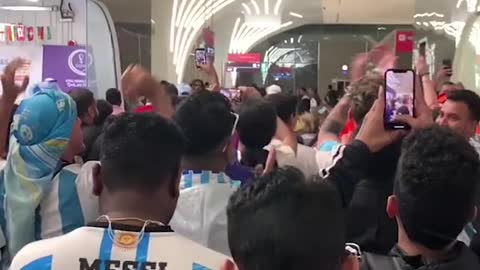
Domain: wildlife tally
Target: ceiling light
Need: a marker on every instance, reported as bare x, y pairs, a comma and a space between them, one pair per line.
26, 8
296, 15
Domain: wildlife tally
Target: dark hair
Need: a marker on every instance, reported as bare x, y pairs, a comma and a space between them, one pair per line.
332, 97
105, 109
207, 121
140, 151
469, 98
285, 105
257, 124
84, 99
195, 81
252, 157
435, 185
171, 89
283, 221
114, 97
303, 106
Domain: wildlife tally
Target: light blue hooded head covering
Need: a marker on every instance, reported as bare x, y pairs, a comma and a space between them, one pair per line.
41, 129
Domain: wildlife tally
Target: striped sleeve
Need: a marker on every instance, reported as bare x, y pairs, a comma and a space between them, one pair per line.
70, 204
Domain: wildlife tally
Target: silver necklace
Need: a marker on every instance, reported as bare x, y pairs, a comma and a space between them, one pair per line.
111, 232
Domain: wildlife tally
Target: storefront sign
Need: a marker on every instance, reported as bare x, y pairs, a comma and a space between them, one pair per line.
404, 41
247, 58
68, 65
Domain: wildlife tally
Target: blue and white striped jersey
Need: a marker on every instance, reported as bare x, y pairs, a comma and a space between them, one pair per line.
70, 204
93, 248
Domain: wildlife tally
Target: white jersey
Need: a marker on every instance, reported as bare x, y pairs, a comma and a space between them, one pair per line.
201, 210
92, 248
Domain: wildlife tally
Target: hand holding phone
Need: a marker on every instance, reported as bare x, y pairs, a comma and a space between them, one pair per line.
200, 57
447, 65
399, 97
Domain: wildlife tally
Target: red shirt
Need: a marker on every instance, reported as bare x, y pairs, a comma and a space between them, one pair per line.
144, 109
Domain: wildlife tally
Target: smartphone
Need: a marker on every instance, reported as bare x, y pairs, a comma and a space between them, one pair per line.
200, 57
399, 96
422, 49
447, 64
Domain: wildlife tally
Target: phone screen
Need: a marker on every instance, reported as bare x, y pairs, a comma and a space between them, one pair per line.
399, 96
200, 57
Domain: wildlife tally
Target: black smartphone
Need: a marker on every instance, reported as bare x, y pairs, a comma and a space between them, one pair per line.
399, 97
422, 49
200, 57
447, 63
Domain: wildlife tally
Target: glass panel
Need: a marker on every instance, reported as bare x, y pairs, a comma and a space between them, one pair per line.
102, 46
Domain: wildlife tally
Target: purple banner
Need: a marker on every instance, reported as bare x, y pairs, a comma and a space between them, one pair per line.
67, 65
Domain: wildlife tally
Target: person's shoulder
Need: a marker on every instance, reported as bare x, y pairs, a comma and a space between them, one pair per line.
198, 251
36, 254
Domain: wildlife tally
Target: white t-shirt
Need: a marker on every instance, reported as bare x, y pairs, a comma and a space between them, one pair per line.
304, 159
93, 248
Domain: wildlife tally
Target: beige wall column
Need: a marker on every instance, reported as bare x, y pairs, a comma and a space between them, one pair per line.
162, 59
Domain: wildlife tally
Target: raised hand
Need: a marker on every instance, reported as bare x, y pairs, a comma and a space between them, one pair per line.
10, 89
359, 66
138, 82
421, 65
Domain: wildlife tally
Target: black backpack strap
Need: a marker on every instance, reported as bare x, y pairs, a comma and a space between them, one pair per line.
372, 261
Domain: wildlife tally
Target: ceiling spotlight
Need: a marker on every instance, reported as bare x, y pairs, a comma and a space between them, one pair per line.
296, 15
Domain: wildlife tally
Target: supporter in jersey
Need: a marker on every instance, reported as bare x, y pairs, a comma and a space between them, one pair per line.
301, 156
208, 123
114, 97
36, 154
86, 105
292, 224
428, 224
138, 189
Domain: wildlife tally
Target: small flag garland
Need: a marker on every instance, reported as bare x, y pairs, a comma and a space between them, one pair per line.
21, 33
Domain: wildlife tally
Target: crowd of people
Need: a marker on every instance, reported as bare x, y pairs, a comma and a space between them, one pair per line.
160, 177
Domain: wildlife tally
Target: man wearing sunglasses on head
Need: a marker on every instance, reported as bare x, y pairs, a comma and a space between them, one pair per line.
207, 122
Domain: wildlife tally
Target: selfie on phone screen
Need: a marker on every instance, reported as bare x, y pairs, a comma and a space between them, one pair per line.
399, 96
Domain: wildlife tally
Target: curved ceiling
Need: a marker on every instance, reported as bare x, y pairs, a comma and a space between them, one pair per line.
313, 11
